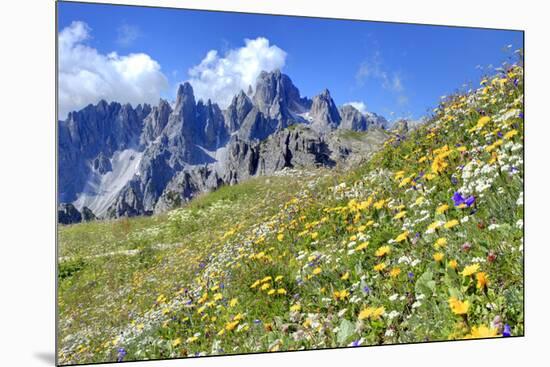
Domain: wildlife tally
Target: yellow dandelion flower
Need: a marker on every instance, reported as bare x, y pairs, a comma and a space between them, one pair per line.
510, 134
379, 267
438, 165
317, 271
192, 339
345, 276
280, 237
233, 302
482, 280
272, 291
255, 284
281, 291
452, 223
458, 307
440, 242
442, 209
176, 342
434, 226
218, 296
362, 246
265, 286
453, 264
231, 325
266, 279
365, 313
470, 270
278, 278
438, 256
482, 332
341, 295
382, 251
395, 272
379, 311
296, 307
419, 201
400, 215
314, 235
402, 237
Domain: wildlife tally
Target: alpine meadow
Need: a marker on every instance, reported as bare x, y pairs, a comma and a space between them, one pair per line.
277, 222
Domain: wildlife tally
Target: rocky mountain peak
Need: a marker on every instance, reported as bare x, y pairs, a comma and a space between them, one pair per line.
324, 113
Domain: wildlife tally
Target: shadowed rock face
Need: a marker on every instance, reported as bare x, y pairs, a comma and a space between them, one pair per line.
68, 214
115, 160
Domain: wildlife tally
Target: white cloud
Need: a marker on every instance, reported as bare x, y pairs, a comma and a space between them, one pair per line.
127, 34
220, 78
87, 76
359, 106
390, 80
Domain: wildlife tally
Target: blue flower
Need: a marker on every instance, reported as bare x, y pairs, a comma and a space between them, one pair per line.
121, 354
459, 199
410, 274
366, 289
356, 343
507, 331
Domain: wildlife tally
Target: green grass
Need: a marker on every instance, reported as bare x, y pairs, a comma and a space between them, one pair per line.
199, 279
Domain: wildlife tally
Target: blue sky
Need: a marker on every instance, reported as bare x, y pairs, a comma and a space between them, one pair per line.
397, 70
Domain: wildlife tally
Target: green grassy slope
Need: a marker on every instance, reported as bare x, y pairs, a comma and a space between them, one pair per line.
423, 242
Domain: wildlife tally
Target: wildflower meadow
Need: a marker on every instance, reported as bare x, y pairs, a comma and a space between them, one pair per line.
423, 241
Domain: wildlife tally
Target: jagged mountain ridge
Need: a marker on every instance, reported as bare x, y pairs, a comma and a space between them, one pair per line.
120, 161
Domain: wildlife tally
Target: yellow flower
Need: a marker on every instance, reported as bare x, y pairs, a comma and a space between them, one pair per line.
438, 165
295, 308
423, 159
405, 181
470, 270
272, 291
314, 235
382, 251
266, 279
371, 312
482, 122
442, 209
399, 175
453, 264
362, 246
402, 237
452, 223
365, 313
379, 311
265, 286
345, 276
434, 226
395, 272
231, 325
233, 302
438, 256
278, 278
419, 200
440, 242
400, 215
429, 176
192, 339
341, 295
280, 237
482, 280
255, 284
481, 332
510, 134
458, 307
176, 342
379, 267
379, 204
281, 291
317, 271
218, 296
